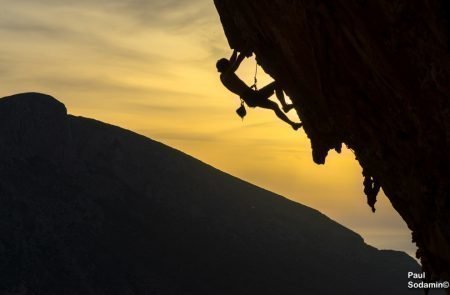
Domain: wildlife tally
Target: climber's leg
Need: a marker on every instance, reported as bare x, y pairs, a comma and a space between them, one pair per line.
268, 90
268, 104
280, 95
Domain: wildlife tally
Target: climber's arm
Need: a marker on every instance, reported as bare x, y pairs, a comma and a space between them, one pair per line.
236, 58
235, 65
233, 57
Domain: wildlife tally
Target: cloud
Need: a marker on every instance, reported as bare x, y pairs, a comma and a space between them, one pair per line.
106, 85
170, 108
22, 26
172, 15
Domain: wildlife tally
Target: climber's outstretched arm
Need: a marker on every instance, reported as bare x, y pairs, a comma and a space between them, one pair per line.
233, 56
237, 60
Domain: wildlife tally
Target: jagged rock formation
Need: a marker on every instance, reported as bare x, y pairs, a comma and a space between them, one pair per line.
373, 75
89, 208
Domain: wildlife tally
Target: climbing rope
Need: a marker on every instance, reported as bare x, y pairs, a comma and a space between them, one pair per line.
255, 80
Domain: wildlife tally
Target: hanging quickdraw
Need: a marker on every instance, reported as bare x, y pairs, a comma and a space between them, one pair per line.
241, 111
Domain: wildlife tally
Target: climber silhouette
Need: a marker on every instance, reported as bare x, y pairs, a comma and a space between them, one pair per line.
253, 98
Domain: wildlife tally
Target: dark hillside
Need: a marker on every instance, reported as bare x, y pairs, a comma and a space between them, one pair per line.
90, 208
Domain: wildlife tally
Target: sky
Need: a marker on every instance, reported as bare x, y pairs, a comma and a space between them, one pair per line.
149, 66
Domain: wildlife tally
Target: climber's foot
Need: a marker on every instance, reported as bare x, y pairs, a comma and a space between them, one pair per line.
288, 107
296, 126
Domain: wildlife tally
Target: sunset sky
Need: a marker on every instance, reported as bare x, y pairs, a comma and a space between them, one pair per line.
149, 66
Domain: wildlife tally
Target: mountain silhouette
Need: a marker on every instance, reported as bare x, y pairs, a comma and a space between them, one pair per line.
90, 208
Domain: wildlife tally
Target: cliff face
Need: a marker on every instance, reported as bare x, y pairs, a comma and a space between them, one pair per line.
373, 75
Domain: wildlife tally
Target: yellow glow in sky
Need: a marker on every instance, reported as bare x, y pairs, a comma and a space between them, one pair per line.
149, 66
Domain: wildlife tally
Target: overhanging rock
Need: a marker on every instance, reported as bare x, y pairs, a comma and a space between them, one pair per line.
373, 75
